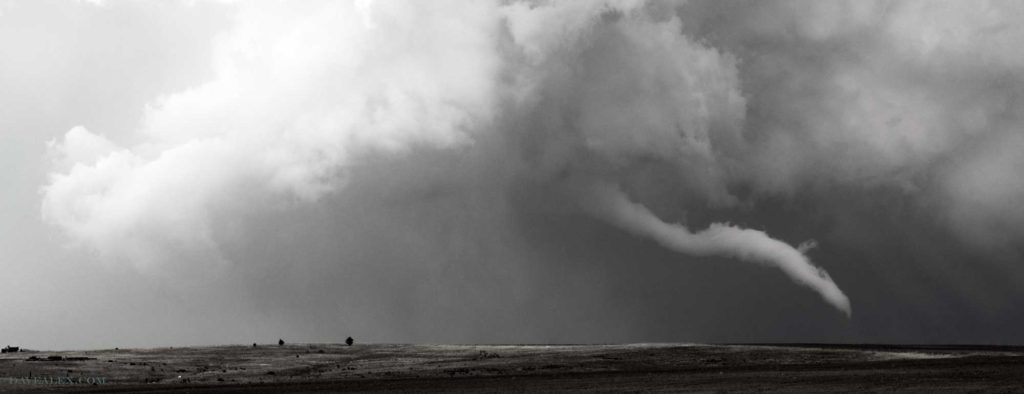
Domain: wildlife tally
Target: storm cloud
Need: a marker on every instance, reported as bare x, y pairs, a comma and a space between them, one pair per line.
575, 171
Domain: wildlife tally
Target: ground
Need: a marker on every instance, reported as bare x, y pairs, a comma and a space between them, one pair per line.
496, 368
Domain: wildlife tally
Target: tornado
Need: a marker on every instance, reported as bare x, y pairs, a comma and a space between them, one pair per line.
609, 203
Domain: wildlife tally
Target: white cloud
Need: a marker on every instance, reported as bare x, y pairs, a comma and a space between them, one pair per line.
97, 3
298, 92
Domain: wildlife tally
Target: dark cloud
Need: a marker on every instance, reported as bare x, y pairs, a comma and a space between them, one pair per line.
441, 181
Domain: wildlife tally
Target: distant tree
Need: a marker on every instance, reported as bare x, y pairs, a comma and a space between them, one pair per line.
349, 341
254, 344
280, 342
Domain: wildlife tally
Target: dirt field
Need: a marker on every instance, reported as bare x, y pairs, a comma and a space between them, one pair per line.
583, 368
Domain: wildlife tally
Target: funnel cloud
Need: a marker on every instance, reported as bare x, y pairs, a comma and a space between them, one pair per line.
609, 203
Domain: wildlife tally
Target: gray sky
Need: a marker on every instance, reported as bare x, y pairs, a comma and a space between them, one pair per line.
215, 172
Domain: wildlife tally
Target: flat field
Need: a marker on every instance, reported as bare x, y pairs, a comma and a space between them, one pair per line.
516, 368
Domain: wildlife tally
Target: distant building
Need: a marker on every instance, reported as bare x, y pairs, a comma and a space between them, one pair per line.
10, 349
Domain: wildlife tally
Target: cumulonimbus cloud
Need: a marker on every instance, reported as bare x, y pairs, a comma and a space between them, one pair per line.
298, 92
765, 99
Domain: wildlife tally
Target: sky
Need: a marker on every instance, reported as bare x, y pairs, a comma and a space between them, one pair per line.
216, 172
